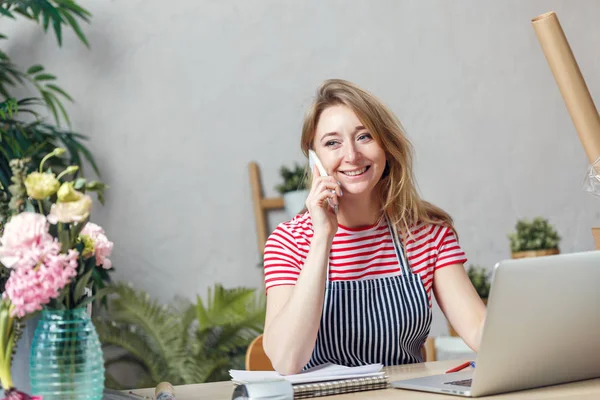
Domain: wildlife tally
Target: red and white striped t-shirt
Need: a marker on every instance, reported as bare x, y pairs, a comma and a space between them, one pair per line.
359, 254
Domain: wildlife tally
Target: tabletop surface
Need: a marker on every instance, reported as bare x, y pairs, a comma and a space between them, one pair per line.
589, 389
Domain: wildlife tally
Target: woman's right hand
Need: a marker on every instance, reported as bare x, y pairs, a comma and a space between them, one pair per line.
324, 189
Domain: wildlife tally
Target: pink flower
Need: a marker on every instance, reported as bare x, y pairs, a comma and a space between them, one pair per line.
25, 240
102, 246
29, 288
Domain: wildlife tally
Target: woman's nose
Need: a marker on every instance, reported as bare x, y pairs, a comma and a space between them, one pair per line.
350, 154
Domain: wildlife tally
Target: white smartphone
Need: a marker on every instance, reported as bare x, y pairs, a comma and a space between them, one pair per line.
314, 160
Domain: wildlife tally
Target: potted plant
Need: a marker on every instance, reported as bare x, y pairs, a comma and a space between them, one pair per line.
481, 280
294, 188
534, 239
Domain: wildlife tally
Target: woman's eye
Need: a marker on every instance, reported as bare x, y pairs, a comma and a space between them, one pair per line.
330, 143
364, 136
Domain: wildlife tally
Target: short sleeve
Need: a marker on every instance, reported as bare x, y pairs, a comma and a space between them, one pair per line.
449, 251
281, 258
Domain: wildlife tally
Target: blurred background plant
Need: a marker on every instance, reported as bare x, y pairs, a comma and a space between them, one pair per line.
536, 234
24, 133
480, 278
294, 179
182, 342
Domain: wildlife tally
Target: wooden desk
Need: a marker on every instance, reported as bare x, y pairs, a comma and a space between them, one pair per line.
578, 390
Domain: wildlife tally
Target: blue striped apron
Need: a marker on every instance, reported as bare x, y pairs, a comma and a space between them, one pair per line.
384, 320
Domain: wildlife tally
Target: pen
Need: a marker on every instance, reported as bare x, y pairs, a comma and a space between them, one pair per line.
462, 366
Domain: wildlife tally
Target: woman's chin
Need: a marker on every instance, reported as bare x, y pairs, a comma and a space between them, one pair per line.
356, 190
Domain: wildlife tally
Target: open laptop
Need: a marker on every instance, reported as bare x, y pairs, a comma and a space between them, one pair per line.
542, 328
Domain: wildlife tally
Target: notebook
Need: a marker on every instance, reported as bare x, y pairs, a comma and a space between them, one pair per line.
323, 380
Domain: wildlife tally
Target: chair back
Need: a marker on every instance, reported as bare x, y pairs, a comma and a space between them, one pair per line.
256, 359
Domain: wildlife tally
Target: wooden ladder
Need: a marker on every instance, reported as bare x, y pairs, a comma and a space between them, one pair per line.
261, 206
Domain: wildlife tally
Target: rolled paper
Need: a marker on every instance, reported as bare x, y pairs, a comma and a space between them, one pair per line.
164, 391
570, 82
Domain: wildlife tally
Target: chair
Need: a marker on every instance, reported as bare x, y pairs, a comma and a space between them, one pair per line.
428, 350
257, 360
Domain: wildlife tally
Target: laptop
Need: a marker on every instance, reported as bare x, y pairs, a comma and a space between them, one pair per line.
542, 328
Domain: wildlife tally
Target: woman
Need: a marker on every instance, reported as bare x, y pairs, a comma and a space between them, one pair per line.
350, 280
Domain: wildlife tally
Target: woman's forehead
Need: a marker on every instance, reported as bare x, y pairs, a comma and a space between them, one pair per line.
337, 119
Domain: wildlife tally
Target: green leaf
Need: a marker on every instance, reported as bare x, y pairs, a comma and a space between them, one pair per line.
62, 110
81, 285
34, 69
29, 207
85, 301
50, 104
100, 294
64, 238
79, 182
45, 77
59, 90
88, 156
5, 12
57, 24
76, 28
46, 20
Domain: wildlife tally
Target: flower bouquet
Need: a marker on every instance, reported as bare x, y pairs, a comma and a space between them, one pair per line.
56, 261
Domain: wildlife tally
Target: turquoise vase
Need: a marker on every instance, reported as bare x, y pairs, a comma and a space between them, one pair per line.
66, 358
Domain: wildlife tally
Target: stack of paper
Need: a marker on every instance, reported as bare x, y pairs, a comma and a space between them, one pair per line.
321, 373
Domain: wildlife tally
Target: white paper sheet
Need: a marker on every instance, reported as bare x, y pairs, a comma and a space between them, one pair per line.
326, 372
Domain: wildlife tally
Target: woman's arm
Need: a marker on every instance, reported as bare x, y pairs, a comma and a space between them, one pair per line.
294, 312
460, 303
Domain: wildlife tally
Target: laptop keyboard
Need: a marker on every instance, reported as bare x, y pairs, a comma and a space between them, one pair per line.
464, 382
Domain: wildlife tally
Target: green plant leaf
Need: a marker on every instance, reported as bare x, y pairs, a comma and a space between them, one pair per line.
59, 90
197, 353
76, 28
34, 69
134, 342
63, 112
6, 13
50, 103
85, 301
45, 77
80, 286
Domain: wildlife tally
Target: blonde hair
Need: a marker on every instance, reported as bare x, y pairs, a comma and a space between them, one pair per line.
396, 190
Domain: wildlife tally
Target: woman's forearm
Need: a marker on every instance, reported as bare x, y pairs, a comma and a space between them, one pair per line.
290, 337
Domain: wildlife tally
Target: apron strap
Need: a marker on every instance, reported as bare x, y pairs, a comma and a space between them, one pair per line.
406, 270
398, 247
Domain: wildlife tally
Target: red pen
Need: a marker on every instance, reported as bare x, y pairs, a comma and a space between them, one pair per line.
460, 367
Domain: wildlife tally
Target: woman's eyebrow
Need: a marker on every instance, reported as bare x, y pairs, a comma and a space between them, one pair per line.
356, 129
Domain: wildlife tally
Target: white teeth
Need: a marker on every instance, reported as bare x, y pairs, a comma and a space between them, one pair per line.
354, 173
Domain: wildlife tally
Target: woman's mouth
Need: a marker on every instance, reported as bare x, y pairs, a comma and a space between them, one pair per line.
356, 172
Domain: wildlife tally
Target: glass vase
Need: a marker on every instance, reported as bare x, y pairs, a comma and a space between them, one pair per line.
66, 357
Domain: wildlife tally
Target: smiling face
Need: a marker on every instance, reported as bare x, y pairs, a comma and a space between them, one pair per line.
348, 151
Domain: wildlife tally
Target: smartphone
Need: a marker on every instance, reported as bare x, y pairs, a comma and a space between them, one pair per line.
314, 160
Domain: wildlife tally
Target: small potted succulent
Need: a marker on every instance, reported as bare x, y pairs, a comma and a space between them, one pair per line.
534, 239
294, 188
481, 279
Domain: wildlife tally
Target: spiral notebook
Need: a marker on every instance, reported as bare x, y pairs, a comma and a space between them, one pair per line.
328, 388
323, 380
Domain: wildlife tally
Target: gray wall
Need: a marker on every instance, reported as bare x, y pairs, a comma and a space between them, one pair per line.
178, 97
